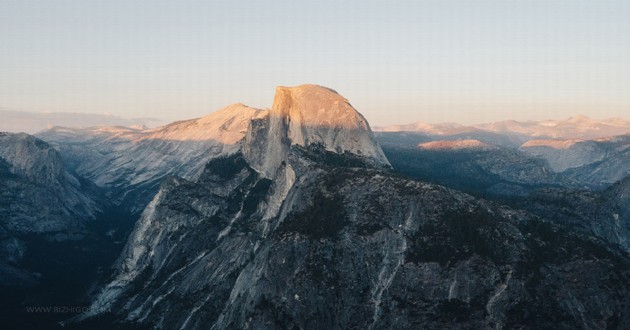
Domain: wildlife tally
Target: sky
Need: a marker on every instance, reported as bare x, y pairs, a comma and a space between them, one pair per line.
396, 61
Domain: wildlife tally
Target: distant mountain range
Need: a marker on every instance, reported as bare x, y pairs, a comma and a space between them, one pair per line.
578, 127
131, 163
585, 151
33, 122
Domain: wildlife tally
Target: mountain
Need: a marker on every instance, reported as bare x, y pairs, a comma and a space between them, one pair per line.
131, 163
33, 122
432, 129
578, 127
579, 151
513, 133
489, 172
307, 116
605, 214
455, 145
597, 163
51, 199
412, 139
38, 197
564, 154
305, 226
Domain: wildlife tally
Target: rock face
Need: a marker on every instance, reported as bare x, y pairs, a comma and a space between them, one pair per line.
318, 115
486, 172
564, 154
305, 227
38, 196
310, 116
131, 163
596, 163
604, 214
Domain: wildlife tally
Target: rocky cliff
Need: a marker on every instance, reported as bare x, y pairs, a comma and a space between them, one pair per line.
305, 227
130, 163
38, 194
38, 198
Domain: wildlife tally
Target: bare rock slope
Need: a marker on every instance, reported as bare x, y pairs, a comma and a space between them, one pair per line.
305, 227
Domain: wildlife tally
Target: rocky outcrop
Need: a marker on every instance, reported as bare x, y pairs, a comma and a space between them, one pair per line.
306, 228
612, 168
130, 163
310, 116
38, 195
564, 154
38, 198
604, 214
597, 163
354, 248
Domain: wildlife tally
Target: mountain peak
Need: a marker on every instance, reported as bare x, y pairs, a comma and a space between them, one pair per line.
227, 126
315, 114
580, 119
314, 105
311, 115
31, 158
236, 110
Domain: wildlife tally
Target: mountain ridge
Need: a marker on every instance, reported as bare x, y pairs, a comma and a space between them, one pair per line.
317, 237
133, 162
576, 127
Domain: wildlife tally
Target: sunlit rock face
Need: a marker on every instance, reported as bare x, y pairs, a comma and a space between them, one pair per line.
310, 116
318, 115
131, 163
455, 145
598, 163
565, 154
305, 227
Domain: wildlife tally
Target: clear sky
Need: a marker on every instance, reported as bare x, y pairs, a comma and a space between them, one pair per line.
466, 61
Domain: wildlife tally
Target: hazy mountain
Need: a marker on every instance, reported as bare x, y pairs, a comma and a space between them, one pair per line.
514, 133
304, 226
582, 151
50, 198
565, 154
33, 122
432, 129
131, 163
598, 163
38, 198
455, 145
483, 171
578, 127
412, 139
